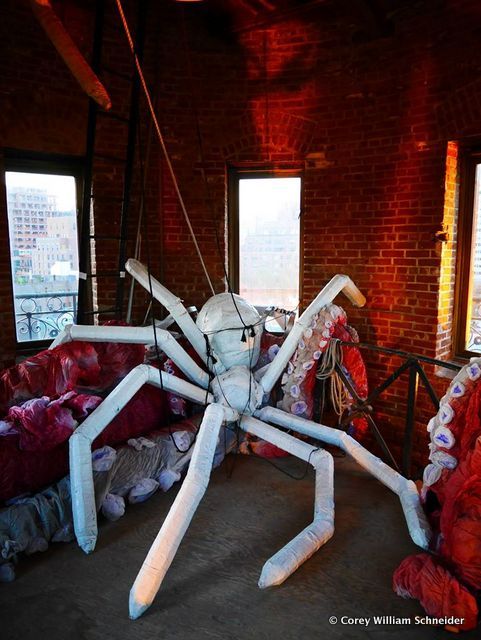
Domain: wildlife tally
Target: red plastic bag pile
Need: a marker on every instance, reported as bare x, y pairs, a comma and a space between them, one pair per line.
43, 398
69, 366
42, 423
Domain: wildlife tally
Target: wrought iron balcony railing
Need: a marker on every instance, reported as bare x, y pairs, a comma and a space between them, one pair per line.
41, 316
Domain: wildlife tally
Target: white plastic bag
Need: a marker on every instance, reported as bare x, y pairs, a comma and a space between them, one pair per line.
103, 459
143, 490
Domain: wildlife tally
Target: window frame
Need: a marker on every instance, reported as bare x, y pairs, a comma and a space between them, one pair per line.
469, 161
235, 174
49, 164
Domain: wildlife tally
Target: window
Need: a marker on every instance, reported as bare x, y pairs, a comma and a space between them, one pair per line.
468, 298
265, 238
42, 220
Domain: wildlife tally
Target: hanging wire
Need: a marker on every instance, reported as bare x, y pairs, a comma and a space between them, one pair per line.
138, 239
248, 329
149, 274
200, 143
147, 249
161, 141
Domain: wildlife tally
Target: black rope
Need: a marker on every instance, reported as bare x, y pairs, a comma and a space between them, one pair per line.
147, 251
200, 143
248, 330
152, 299
285, 471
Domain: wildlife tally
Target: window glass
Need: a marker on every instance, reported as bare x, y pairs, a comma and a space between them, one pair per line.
44, 252
269, 232
473, 330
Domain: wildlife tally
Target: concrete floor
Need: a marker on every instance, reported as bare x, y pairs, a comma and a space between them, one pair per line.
211, 589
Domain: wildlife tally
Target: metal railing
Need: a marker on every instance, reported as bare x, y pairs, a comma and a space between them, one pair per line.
41, 316
412, 365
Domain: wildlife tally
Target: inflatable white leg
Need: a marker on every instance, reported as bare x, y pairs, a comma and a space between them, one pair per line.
418, 525
62, 337
165, 545
81, 479
136, 335
297, 551
174, 306
337, 284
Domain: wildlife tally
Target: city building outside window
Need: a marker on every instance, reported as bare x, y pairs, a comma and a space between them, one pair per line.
42, 219
264, 238
468, 273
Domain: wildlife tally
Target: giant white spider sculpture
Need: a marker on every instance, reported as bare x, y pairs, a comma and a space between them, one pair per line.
230, 352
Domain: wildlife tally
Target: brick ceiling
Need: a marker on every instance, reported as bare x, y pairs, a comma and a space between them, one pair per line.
372, 18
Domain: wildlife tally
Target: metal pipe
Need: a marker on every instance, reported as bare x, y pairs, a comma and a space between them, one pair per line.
403, 354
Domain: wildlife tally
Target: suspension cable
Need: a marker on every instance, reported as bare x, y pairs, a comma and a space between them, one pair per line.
161, 140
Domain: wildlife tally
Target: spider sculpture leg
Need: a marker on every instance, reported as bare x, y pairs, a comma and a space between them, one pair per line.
419, 528
175, 307
285, 561
81, 479
297, 551
165, 545
337, 284
136, 335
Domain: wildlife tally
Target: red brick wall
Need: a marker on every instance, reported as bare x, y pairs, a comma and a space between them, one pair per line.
370, 119
44, 110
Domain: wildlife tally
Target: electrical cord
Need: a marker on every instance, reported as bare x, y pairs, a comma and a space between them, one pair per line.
285, 471
147, 250
247, 329
200, 143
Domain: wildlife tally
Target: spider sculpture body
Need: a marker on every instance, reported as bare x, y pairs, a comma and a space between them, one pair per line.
227, 337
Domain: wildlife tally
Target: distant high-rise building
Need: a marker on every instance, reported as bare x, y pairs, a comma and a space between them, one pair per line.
28, 210
269, 261
41, 236
57, 253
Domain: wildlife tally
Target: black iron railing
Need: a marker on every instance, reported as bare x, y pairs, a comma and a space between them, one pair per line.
41, 316
412, 365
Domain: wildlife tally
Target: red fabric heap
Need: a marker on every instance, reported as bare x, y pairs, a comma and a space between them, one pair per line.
43, 423
442, 596
452, 577
353, 364
36, 453
72, 365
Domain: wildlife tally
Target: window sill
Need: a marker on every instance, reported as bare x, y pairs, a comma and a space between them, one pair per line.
450, 374
29, 349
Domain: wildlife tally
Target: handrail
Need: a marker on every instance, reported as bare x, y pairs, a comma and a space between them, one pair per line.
363, 406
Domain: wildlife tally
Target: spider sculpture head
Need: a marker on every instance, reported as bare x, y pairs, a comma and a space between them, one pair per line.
233, 329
